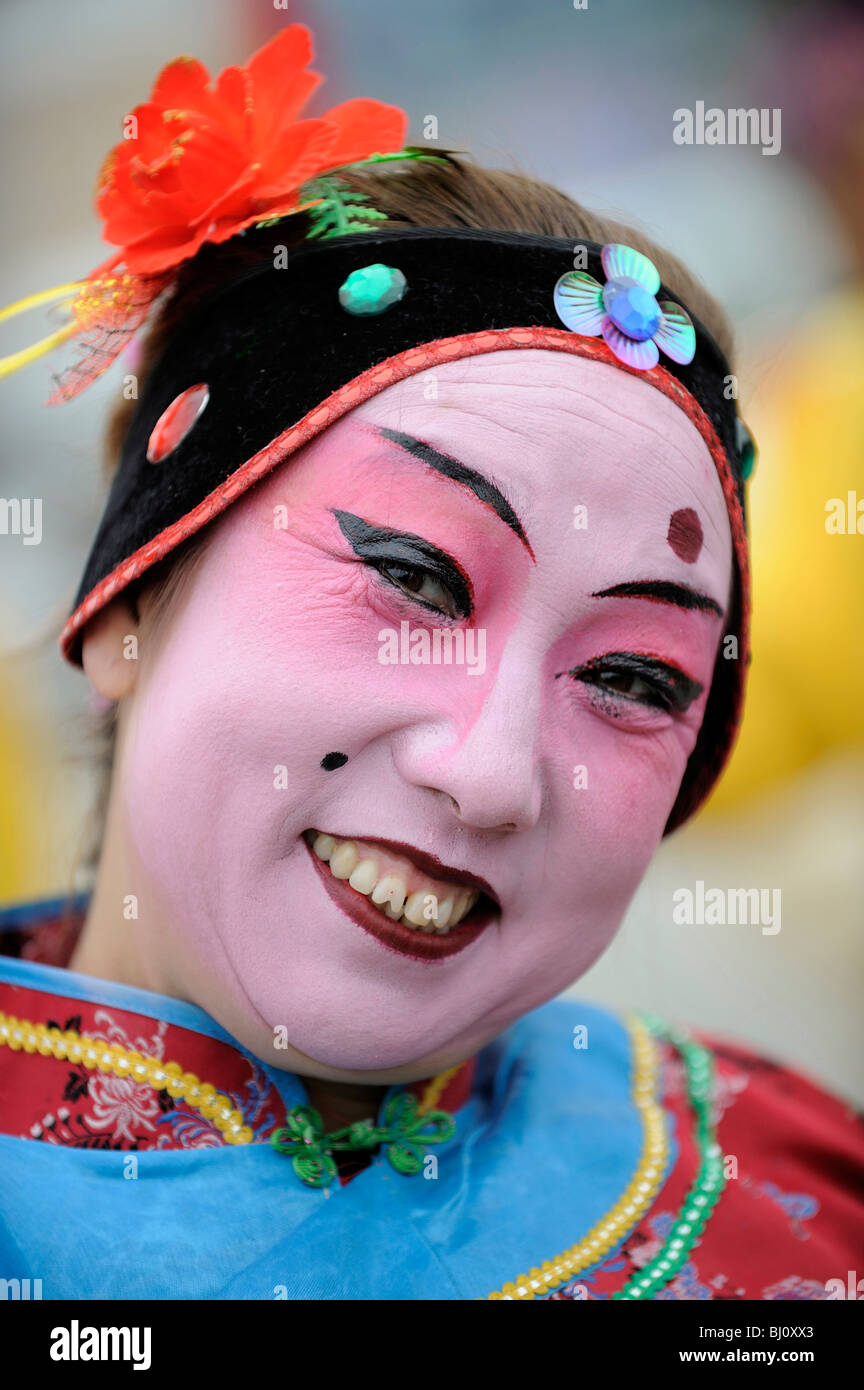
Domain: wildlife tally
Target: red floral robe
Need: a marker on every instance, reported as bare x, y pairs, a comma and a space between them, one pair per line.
789, 1225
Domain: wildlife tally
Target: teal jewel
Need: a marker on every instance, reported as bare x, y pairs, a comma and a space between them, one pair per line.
631, 308
406, 1130
710, 1179
746, 447
372, 289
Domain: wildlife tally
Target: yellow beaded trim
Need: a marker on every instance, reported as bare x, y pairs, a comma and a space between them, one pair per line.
95, 1055
21, 1035
633, 1203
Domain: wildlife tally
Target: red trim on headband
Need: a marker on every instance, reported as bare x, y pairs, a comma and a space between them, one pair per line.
369, 383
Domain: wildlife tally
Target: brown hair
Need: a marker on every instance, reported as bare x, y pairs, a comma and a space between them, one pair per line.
454, 193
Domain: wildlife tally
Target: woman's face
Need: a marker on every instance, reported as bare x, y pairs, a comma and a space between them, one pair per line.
559, 525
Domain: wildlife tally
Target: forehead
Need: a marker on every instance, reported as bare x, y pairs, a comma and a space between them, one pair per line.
556, 431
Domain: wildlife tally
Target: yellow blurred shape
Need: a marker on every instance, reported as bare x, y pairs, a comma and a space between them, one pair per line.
807, 678
28, 776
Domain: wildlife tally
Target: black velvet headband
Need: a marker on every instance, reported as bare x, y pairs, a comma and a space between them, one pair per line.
281, 358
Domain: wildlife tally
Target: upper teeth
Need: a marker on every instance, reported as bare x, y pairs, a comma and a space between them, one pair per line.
427, 907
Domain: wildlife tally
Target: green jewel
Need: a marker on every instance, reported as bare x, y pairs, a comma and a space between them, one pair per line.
406, 1130
746, 447
372, 289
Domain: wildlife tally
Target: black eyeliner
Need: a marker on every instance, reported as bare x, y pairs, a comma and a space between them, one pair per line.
676, 689
379, 543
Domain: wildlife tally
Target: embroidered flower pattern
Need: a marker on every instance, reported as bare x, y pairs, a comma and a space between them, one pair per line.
120, 1104
699, 1279
796, 1290
104, 1111
797, 1206
727, 1086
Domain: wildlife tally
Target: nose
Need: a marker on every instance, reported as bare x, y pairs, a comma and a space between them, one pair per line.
484, 762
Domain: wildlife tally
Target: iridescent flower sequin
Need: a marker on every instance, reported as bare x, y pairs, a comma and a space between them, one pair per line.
625, 311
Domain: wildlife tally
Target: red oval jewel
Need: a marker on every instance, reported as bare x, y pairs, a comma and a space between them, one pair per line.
175, 423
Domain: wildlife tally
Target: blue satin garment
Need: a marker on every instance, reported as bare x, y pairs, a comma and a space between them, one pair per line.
546, 1144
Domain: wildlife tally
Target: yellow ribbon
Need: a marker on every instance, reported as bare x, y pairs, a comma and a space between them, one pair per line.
14, 360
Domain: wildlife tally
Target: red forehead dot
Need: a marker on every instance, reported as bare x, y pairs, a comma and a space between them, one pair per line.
685, 535
175, 423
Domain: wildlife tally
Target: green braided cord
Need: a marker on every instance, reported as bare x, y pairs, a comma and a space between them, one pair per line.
315, 1170
405, 1158
361, 1135
438, 1126
406, 1130
710, 1180
400, 1112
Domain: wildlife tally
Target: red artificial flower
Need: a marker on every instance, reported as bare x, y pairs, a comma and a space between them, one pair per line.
206, 162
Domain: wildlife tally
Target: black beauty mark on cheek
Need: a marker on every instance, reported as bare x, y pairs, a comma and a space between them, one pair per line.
674, 688
331, 761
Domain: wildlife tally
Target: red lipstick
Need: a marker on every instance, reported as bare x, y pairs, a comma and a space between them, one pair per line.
409, 941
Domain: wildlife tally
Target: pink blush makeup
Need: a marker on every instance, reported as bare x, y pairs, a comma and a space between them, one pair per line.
267, 719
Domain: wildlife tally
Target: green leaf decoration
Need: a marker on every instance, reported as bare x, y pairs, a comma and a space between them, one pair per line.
409, 152
340, 211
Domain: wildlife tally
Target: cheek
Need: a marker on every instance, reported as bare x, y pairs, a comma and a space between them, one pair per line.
612, 798
617, 764
339, 642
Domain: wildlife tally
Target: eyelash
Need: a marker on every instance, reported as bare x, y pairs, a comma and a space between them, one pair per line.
383, 565
384, 550
671, 690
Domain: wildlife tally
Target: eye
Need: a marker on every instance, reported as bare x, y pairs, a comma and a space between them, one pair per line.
421, 585
631, 685
415, 566
639, 679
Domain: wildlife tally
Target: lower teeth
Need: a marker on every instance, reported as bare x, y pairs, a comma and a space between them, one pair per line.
428, 927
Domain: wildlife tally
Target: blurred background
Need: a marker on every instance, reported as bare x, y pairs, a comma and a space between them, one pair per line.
583, 98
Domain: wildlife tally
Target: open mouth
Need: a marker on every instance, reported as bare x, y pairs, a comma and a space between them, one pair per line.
393, 891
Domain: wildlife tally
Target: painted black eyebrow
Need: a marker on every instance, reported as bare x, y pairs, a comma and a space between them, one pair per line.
662, 591
459, 472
